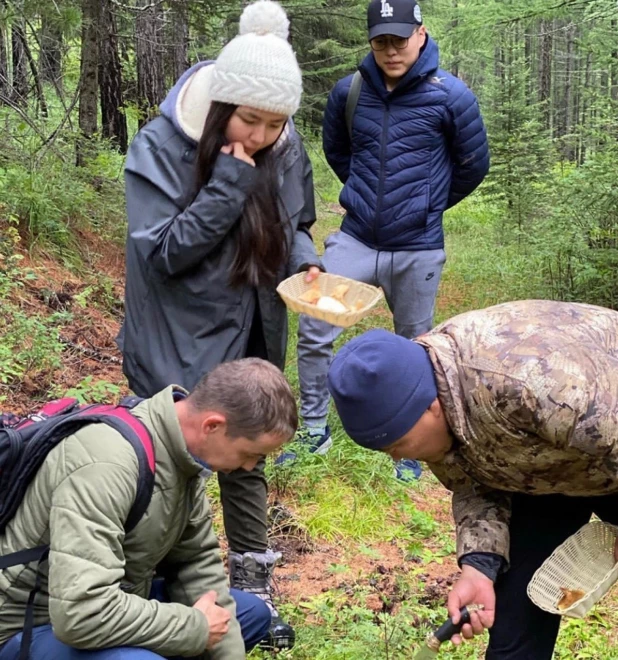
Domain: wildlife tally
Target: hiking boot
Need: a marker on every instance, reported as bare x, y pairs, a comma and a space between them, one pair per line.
253, 572
317, 440
407, 470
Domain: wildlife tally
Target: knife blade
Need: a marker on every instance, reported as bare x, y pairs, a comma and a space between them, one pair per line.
429, 650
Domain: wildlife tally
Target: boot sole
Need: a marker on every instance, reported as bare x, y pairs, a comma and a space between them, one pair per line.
278, 643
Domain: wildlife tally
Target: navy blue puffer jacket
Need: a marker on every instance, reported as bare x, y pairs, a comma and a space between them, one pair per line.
415, 152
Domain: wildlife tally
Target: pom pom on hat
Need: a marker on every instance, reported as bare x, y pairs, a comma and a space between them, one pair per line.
258, 68
265, 17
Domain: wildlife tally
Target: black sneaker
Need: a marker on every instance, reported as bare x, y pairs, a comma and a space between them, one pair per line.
316, 441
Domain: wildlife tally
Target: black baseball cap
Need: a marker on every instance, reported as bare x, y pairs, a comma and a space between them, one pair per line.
397, 17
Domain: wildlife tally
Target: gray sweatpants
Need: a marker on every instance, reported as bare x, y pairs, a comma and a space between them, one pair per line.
410, 282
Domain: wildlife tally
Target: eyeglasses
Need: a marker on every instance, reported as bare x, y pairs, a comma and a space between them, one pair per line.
380, 43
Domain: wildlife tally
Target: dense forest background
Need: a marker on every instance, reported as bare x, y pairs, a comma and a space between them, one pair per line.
78, 78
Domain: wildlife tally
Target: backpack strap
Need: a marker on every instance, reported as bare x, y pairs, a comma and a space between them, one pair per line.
352, 100
26, 640
23, 556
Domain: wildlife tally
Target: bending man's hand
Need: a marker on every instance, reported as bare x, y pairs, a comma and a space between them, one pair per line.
472, 587
218, 617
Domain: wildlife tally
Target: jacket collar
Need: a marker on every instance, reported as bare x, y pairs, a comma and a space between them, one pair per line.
166, 427
426, 65
442, 352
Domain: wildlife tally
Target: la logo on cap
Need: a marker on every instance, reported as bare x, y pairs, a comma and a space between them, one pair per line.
387, 10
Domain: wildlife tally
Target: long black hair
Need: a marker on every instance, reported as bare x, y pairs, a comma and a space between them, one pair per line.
261, 246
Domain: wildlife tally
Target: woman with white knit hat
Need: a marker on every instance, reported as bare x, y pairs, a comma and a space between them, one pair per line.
220, 201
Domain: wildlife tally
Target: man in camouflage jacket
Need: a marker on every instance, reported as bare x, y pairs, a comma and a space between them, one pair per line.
515, 410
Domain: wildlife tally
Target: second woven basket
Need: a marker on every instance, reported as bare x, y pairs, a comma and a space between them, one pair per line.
583, 567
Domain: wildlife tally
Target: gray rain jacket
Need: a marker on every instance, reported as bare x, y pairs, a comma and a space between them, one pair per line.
181, 316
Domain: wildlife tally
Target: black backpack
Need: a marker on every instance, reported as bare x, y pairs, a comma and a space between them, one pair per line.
24, 445
352, 100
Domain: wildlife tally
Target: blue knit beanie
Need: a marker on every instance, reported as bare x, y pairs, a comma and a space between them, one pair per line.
381, 384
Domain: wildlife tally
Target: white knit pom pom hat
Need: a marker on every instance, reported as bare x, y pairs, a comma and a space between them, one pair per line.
258, 68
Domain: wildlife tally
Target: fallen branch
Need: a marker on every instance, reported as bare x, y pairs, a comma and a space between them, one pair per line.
94, 353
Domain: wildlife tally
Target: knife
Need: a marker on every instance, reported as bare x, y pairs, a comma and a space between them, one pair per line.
429, 650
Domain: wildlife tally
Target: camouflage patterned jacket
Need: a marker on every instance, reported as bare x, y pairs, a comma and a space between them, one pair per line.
530, 390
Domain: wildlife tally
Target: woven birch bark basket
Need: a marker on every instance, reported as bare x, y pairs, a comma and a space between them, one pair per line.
581, 570
360, 298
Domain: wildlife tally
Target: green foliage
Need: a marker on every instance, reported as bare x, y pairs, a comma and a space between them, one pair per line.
9, 258
327, 185
50, 197
338, 626
100, 292
330, 40
591, 637
44, 201
89, 390
582, 260
30, 345
351, 493
521, 151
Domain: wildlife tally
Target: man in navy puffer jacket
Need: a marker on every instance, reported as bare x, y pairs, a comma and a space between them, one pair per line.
418, 146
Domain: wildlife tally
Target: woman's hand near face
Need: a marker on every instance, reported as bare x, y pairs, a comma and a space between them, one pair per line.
237, 150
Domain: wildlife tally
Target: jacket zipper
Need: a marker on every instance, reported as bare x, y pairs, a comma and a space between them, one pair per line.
385, 124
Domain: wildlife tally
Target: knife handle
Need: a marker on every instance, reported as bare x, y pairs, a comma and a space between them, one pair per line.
448, 628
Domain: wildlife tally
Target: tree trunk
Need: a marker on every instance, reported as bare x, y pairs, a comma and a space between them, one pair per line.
585, 105
529, 60
455, 55
19, 91
178, 60
35, 75
545, 73
614, 64
113, 118
149, 28
577, 119
50, 56
4, 59
567, 108
88, 79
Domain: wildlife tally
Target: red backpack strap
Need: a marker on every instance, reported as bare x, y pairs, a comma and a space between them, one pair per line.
50, 409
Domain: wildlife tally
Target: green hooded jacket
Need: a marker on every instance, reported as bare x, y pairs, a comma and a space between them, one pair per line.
96, 584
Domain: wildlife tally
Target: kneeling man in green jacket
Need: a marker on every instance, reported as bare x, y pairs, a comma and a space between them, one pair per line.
96, 589
515, 410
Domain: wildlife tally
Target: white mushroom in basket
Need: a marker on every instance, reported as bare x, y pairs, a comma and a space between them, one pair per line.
330, 304
333, 303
